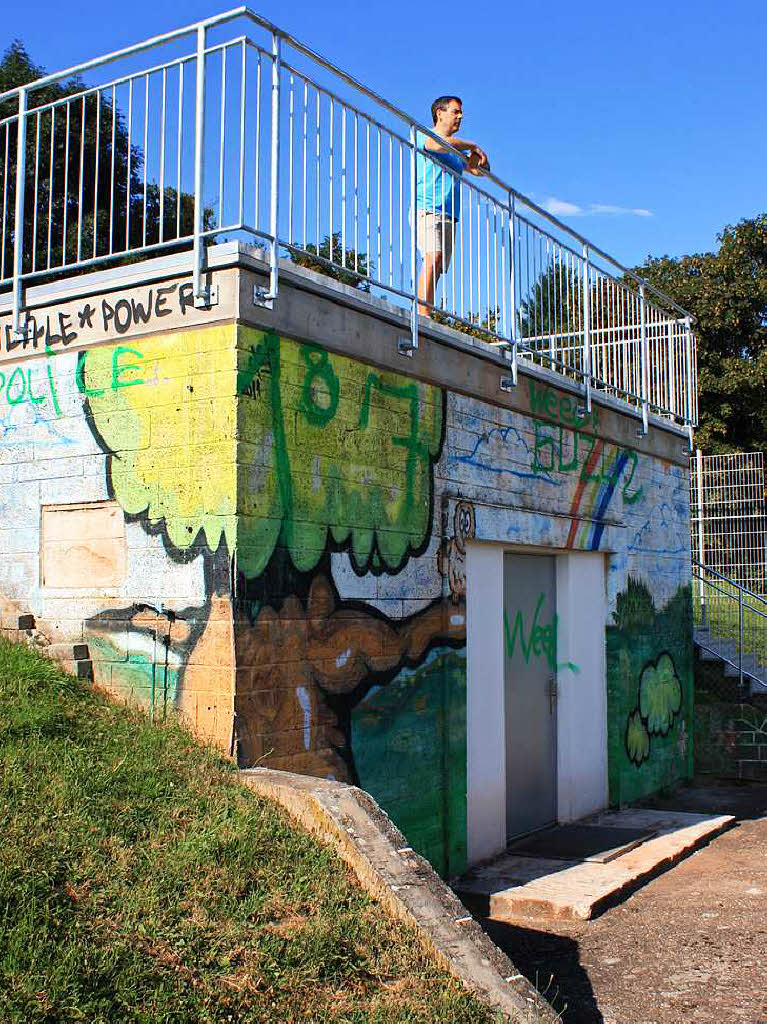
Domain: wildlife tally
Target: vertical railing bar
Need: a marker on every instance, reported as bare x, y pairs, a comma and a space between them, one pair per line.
413, 241
66, 187
95, 176
5, 201
343, 186
200, 296
367, 195
305, 164
331, 129
643, 360
179, 146
80, 180
112, 175
356, 190
146, 153
163, 114
222, 136
378, 203
241, 194
319, 167
401, 218
391, 212
34, 211
274, 210
587, 329
291, 125
18, 226
257, 174
128, 167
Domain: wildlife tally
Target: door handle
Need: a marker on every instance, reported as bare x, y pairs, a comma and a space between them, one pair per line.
553, 692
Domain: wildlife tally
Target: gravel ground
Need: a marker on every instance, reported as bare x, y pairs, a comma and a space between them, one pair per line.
689, 946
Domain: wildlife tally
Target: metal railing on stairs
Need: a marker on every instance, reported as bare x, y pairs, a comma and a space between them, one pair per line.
730, 624
232, 128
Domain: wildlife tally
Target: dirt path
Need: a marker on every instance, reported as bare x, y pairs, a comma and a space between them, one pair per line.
690, 946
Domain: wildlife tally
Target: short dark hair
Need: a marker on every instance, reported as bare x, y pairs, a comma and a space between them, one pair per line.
442, 103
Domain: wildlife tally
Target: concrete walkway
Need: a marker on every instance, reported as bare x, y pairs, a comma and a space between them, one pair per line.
514, 885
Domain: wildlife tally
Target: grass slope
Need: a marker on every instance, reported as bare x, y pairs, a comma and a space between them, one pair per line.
140, 882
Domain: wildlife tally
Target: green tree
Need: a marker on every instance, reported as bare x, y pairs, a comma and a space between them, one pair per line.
726, 291
359, 268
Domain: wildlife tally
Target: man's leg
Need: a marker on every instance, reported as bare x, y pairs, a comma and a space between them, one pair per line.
431, 271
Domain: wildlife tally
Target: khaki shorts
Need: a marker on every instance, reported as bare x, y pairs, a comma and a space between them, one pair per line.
434, 233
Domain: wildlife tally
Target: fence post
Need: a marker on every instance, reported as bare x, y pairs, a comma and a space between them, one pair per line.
201, 294
643, 355
740, 642
274, 204
513, 289
586, 354
701, 529
18, 235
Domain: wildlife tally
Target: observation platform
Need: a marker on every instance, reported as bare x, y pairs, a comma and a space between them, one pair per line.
230, 130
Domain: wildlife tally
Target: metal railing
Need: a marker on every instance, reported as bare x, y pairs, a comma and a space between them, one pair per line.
731, 623
247, 133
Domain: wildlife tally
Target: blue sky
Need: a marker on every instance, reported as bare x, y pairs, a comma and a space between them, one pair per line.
642, 126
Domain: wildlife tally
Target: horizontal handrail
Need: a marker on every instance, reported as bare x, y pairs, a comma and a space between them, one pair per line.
726, 579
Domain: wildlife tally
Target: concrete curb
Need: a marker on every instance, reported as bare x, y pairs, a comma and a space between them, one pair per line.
405, 884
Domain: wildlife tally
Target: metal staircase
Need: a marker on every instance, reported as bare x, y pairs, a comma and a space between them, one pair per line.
730, 626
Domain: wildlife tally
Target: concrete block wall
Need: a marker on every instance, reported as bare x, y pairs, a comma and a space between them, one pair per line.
261, 518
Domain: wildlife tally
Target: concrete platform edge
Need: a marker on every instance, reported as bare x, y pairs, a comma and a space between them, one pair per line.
388, 869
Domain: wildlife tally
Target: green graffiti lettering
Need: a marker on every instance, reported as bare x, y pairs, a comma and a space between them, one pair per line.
118, 370
18, 374
80, 379
636, 494
52, 386
541, 639
543, 444
318, 404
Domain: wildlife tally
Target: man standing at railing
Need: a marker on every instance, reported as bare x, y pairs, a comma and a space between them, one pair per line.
438, 193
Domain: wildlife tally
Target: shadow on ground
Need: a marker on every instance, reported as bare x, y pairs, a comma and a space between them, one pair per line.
552, 963
708, 795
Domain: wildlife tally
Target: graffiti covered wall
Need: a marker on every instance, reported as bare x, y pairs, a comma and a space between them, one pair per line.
295, 531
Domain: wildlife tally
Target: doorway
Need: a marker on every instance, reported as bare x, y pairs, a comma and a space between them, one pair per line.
530, 691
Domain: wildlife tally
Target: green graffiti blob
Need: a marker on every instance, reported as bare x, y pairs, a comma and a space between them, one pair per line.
637, 739
660, 695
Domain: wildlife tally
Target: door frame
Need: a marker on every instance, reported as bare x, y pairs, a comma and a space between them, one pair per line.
582, 785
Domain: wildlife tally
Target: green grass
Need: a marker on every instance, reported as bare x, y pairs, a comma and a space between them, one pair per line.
140, 882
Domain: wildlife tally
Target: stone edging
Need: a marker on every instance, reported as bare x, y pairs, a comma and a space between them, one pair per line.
405, 884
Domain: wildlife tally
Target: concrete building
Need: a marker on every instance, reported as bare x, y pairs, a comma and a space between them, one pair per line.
448, 561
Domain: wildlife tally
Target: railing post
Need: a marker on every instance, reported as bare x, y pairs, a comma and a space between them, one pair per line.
644, 355
513, 289
740, 641
274, 204
18, 233
201, 294
406, 346
701, 530
688, 369
586, 354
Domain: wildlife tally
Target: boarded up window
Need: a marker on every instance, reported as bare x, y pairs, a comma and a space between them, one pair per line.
83, 546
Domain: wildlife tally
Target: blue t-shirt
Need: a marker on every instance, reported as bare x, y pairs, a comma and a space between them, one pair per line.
438, 180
